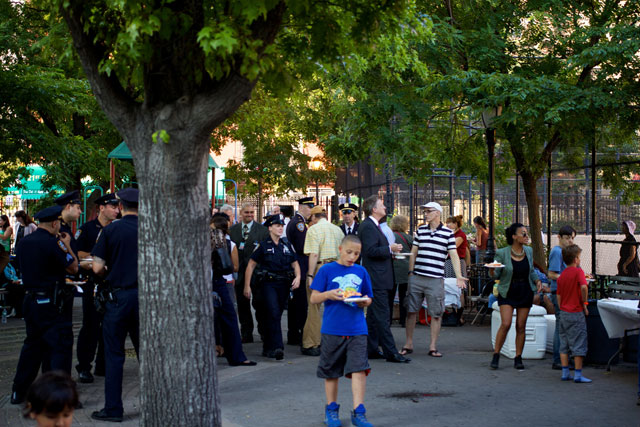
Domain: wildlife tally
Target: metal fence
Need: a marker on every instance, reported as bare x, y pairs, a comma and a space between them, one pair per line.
568, 200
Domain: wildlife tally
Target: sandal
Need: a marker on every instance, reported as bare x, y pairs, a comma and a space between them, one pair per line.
406, 351
434, 353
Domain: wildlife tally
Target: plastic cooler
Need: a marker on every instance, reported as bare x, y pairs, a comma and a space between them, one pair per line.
536, 333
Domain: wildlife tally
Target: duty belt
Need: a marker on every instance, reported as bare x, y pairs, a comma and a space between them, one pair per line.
38, 293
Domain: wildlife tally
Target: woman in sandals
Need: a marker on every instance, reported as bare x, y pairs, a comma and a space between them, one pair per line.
518, 282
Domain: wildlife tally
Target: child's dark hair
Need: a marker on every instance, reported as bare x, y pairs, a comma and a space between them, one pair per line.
510, 231
51, 393
567, 230
570, 253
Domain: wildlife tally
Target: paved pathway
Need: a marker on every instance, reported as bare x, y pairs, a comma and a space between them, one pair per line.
455, 390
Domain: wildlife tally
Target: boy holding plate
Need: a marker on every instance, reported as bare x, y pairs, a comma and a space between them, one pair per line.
344, 329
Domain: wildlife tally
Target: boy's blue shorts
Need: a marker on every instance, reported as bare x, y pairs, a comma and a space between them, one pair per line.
343, 355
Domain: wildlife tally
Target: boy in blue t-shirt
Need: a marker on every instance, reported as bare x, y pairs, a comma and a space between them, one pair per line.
344, 329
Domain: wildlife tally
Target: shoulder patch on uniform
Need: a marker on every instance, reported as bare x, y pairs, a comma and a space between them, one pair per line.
300, 226
78, 234
62, 246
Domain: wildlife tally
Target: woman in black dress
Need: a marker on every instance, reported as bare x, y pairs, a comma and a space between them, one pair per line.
628, 266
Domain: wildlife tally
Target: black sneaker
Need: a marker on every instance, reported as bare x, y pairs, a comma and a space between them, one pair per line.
517, 363
495, 362
311, 351
85, 377
17, 398
278, 354
102, 415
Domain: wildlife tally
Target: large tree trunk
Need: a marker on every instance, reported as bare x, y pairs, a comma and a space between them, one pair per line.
529, 182
178, 382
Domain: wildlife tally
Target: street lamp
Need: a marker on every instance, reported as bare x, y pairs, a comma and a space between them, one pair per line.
488, 117
316, 165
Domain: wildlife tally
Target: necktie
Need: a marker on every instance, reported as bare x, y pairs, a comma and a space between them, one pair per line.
349, 230
245, 232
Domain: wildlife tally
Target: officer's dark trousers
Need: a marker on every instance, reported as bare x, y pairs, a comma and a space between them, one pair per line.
274, 297
244, 310
226, 325
297, 306
120, 318
90, 336
378, 323
49, 342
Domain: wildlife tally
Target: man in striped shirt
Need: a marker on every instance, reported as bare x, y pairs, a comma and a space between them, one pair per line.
426, 274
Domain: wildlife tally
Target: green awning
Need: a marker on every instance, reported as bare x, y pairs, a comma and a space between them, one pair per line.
122, 152
32, 186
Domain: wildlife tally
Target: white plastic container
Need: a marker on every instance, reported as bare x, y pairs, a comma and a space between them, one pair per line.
551, 329
536, 333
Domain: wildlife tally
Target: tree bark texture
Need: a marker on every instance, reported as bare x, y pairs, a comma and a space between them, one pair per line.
529, 182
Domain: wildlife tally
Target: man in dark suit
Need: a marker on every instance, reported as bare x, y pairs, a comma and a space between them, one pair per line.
349, 213
297, 306
377, 259
246, 234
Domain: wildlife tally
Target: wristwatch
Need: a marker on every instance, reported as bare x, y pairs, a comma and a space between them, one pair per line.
310, 275
410, 272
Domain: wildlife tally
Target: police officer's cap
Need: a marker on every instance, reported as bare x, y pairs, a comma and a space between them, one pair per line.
348, 207
72, 197
107, 199
309, 201
49, 214
129, 196
273, 220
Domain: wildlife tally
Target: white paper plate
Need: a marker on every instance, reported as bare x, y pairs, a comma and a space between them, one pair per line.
357, 299
494, 266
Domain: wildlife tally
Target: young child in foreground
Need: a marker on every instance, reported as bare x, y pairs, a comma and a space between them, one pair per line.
344, 330
572, 299
51, 400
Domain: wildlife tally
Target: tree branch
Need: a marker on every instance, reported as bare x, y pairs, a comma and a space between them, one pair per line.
117, 105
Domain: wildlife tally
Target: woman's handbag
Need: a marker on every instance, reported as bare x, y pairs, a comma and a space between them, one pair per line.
222, 261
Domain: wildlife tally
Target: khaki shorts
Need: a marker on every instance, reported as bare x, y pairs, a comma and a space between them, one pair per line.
431, 288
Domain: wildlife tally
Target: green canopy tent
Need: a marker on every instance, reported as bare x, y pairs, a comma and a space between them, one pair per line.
121, 152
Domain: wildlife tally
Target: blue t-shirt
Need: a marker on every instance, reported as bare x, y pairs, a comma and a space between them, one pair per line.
556, 264
341, 318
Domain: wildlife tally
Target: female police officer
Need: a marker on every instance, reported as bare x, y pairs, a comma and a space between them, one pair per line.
274, 280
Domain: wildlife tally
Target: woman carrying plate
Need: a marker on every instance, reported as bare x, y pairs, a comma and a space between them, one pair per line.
518, 282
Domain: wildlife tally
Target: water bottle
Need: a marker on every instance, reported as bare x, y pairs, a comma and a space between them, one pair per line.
4, 315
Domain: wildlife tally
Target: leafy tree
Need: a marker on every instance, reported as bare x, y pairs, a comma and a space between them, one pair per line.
166, 74
47, 114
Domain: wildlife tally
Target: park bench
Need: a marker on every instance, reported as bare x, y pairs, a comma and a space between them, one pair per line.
621, 287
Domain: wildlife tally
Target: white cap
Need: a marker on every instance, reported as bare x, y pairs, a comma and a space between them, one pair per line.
433, 205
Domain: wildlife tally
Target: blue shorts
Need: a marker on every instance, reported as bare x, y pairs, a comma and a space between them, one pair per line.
343, 355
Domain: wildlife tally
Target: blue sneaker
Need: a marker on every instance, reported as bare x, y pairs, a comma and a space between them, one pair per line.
331, 415
358, 417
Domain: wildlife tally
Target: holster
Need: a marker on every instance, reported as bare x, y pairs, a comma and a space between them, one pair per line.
62, 297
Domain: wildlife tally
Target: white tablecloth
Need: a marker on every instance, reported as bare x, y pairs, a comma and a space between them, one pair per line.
618, 316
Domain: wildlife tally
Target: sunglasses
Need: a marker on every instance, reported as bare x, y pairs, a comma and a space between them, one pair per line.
524, 234
347, 211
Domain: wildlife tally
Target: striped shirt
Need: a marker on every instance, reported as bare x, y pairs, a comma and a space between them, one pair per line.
433, 247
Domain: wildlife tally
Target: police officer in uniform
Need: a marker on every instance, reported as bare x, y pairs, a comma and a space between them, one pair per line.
278, 274
90, 336
297, 307
349, 213
45, 256
71, 211
117, 249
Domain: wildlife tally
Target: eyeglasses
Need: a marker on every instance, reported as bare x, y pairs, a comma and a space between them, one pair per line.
347, 211
524, 234
428, 211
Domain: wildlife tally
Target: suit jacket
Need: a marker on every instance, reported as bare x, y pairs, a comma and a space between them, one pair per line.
257, 234
503, 256
354, 229
376, 256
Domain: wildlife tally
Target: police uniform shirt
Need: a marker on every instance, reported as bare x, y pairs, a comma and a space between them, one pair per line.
87, 235
297, 232
118, 247
64, 227
43, 259
274, 258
